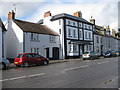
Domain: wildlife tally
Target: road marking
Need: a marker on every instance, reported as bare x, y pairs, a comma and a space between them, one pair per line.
15, 78
76, 68
35, 75
103, 62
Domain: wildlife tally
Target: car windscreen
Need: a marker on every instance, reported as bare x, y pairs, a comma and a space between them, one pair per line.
20, 56
86, 53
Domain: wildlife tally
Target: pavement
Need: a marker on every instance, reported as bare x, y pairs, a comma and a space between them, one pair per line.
54, 61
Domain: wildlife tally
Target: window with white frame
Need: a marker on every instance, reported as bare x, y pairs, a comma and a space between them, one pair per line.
80, 33
69, 33
34, 37
97, 38
74, 23
59, 31
80, 25
70, 47
89, 35
59, 22
75, 48
101, 39
52, 39
86, 47
86, 35
90, 47
69, 22
35, 50
74, 33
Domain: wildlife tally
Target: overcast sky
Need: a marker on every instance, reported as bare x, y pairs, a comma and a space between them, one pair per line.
105, 12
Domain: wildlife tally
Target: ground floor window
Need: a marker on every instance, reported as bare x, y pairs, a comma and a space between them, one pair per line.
35, 50
75, 48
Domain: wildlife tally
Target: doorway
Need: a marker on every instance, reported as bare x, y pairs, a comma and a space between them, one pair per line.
55, 53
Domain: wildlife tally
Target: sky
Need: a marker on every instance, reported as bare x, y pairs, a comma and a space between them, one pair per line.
105, 12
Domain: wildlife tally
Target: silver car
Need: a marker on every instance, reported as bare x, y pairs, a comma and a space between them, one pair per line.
4, 64
90, 55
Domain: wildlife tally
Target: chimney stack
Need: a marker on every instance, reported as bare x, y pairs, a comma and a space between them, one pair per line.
47, 14
92, 20
113, 32
11, 15
78, 14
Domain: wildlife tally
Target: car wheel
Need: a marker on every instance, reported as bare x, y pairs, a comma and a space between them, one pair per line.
91, 58
2, 66
83, 58
18, 65
45, 62
26, 64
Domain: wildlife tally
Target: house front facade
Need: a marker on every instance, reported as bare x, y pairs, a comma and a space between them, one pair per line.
2, 40
76, 33
28, 37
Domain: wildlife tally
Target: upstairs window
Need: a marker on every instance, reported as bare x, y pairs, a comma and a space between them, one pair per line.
59, 22
97, 38
85, 35
69, 33
80, 33
74, 33
101, 39
69, 22
74, 24
34, 37
52, 39
89, 35
59, 31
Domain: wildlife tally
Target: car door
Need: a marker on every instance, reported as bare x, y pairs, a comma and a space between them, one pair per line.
29, 58
39, 59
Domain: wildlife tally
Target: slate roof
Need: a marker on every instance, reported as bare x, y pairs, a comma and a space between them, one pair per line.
34, 27
2, 25
64, 15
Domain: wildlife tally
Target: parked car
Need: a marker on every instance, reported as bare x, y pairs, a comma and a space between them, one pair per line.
117, 53
26, 59
110, 53
4, 64
90, 55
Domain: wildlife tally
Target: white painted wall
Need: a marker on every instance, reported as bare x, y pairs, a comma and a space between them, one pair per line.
71, 53
97, 45
14, 40
0, 42
41, 44
54, 25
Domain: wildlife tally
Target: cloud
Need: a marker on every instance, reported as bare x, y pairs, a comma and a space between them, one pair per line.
104, 11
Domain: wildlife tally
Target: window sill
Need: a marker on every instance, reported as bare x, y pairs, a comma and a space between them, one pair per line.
73, 51
35, 40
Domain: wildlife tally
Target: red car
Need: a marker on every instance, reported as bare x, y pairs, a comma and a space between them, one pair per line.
27, 59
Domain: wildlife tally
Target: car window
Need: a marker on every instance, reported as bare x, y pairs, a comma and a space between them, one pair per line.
28, 55
20, 56
36, 55
85, 52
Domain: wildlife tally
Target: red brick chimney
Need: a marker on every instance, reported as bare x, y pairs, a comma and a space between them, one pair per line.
78, 14
11, 15
47, 14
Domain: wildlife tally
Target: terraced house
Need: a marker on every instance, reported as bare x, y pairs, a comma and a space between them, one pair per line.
28, 37
104, 40
76, 33
2, 40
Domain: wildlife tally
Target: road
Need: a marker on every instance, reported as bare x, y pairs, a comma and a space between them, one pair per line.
99, 73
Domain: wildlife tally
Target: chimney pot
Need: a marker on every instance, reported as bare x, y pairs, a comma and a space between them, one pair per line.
11, 15
47, 14
78, 14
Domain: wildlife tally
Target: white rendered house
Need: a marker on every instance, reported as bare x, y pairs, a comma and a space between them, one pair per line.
27, 37
2, 40
76, 33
